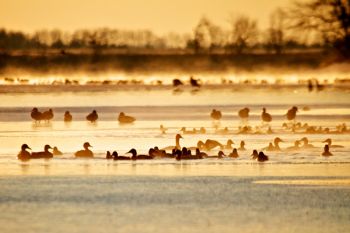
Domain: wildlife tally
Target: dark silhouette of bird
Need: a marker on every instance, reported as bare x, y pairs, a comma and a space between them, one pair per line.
329, 143
241, 146
262, 157
326, 151
56, 151
36, 115
92, 117
215, 114
292, 113
42, 154
135, 156
67, 117
177, 82
244, 113
86, 153
254, 155
118, 157
194, 82
124, 119
24, 154
234, 153
266, 117
109, 155
47, 115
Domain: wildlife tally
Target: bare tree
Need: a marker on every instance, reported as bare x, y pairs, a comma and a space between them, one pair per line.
276, 31
244, 33
330, 18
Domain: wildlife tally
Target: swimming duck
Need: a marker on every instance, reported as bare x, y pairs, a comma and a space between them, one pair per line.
295, 147
275, 146
229, 144
209, 144
244, 113
194, 82
56, 151
118, 157
292, 113
222, 131
86, 153
67, 117
46, 154
135, 156
177, 82
329, 143
306, 143
24, 154
254, 155
108, 155
262, 157
124, 119
92, 117
201, 154
215, 114
184, 131
234, 153
47, 115
177, 143
326, 151
241, 146
202, 130
162, 129
266, 117
36, 115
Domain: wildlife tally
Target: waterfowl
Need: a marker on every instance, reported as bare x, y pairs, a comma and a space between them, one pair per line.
215, 114
56, 151
109, 155
177, 143
184, 131
24, 154
266, 117
254, 155
118, 157
241, 146
124, 119
46, 154
329, 143
244, 113
36, 115
222, 131
295, 147
92, 117
262, 157
86, 153
306, 143
201, 154
162, 129
135, 156
220, 155
326, 151
177, 82
292, 113
202, 130
209, 144
194, 82
67, 117
234, 153
47, 115
275, 146
228, 144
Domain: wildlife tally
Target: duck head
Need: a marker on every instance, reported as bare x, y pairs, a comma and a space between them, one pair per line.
328, 141
255, 153
47, 147
221, 154
25, 146
35, 110
86, 145
229, 142
277, 140
133, 152
242, 144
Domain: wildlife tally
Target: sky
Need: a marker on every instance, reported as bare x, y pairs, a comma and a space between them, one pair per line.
160, 16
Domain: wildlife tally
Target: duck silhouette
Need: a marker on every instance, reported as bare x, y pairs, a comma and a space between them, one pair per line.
36, 115
262, 157
326, 151
229, 144
254, 155
118, 157
24, 154
185, 131
292, 113
67, 117
109, 155
46, 154
329, 143
162, 129
306, 143
201, 154
266, 117
275, 146
92, 117
56, 151
209, 144
135, 156
177, 82
234, 153
47, 115
241, 146
124, 119
86, 153
215, 114
194, 82
295, 147
244, 113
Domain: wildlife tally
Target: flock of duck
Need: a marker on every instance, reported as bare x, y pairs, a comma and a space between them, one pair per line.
182, 153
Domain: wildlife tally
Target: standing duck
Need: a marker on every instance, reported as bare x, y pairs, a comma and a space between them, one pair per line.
36, 115
329, 143
67, 117
24, 154
46, 154
92, 117
124, 119
244, 114
86, 153
47, 115
292, 113
266, 117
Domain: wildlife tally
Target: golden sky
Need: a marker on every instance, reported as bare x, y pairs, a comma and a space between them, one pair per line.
161, 16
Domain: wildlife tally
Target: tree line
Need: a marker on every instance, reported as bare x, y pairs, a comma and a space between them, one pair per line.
321, 24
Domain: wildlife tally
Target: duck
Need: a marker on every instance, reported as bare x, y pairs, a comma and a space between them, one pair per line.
36, 115
109, 155
67, 117
162, 129
202, 130
292, 113
24, 154
194, 82
262, 157
295, 147
118, 157
234, 153
275, 146
329, 143
306, 143
326, 151
86, 153
177, 82
184, 131
201, 154
266, 117
56, 151
222, 131
92, 117
229, 144
177, 143
254, 155
220, 155
135, 156
42, 154
209, 144
244, 113
241, 146
124, 119
47, 115
215, 114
